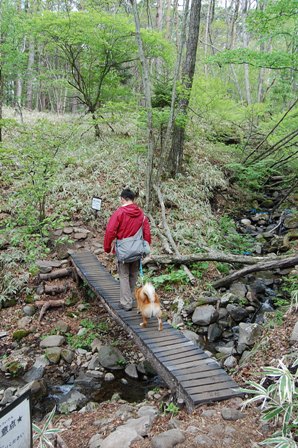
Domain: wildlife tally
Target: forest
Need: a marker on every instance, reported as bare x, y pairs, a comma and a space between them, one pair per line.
193, 104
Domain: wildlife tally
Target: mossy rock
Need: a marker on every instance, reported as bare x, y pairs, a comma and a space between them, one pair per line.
20, 334
15, 368
29, 298
9, 303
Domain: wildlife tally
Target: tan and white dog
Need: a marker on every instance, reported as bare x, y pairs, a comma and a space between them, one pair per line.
148, 304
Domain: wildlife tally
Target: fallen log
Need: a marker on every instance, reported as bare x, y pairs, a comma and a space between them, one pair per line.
170, 238
46, 304
209, 256
59, 273
55, 289
265, 266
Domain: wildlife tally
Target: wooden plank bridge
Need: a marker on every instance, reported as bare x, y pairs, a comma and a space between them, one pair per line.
185, 367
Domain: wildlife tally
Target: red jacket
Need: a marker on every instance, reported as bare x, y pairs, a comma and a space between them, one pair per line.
125, 222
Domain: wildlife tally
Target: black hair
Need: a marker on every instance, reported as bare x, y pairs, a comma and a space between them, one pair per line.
127, 194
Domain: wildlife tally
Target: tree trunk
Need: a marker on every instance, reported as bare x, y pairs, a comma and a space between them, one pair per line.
176, 153
31, 57
245, 45
1, 102
147, 93
210, 255
168, 137
266, 266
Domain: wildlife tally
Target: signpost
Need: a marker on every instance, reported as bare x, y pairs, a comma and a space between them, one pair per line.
96, 204
16, 423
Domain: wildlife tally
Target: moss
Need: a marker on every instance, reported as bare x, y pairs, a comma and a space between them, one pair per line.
14, 368
20, 334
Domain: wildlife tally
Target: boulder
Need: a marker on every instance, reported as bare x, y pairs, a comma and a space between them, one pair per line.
204, 315
237, 312
168, 439
214, 332
111, 358
52, 341
53, 354
122, 437
238, 289
37, 370
248, 333
194, 337
72, 401
131, 371
294, 335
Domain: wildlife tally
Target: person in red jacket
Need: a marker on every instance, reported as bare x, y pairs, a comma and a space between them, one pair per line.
123, 223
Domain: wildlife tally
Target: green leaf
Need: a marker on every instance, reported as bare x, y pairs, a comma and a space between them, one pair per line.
270, 413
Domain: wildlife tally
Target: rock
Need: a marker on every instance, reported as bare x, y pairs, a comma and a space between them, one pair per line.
291, 222
109, 377
131, 371
20, 334
168, 439
141, 425
237, 313
95, 441
95, 345
90, 407
147, 410
238, 289
14, 368
37, 370
294, 335
29, 310
72, 401
204, 315
177, 320
123, 437
209, 413
204, 441
248, 333
45, 266
192, 430
94, 363
80, 236
214, 332
67, 230
62, 327
52, 341
230, 362
246, 222
24, 322
231, 414
38, 389
146, 368
53, 354
67, 355
194, 337
228, 297
111, 358
8, 396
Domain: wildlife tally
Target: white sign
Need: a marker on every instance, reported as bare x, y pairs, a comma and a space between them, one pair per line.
96, 203
16, 424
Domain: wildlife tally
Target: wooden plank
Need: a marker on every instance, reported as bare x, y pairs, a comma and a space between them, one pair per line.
202, 372
210, 387
182, 355
223, 394
189, 365
210, 379
178, 348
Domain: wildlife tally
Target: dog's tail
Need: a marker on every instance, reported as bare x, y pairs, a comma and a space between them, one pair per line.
149, 290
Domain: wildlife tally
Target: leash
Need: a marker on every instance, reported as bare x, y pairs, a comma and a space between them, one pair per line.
141, 272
